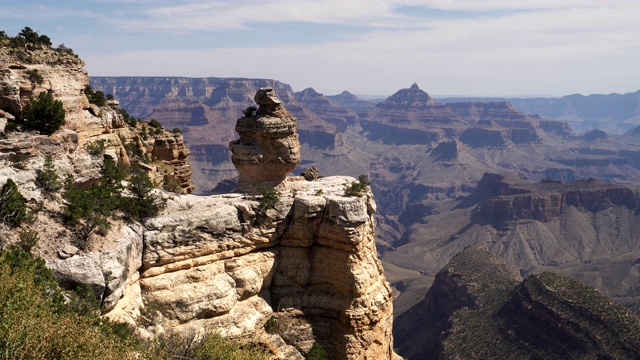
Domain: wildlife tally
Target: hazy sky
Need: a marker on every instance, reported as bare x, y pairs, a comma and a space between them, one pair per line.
462, 47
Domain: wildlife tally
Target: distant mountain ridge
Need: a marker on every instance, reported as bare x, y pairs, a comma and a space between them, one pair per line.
613, 113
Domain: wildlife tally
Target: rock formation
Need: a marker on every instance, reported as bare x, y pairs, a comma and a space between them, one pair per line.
268, 148
423, 168
352, 102
85, 123
478, 308
228, 264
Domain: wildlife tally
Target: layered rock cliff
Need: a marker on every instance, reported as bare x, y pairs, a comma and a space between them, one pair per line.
286, 271
306, 269
85, 124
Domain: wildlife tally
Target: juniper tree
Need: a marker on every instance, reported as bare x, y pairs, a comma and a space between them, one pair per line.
13, 206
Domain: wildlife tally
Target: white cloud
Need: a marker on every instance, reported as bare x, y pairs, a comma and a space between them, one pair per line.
541, 46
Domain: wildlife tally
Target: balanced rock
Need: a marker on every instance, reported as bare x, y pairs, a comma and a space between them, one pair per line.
268, 148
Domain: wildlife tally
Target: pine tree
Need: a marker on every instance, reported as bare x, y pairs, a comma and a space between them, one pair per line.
47, 178
44, 113
13, 206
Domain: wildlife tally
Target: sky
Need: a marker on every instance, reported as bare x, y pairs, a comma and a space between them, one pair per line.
368, 47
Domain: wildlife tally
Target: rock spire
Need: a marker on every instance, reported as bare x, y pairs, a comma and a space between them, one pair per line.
268, 148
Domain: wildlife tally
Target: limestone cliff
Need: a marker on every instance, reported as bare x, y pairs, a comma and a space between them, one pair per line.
306, 269
288, 271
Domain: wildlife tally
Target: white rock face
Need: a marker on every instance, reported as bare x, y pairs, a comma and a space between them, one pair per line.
221, 263
108, 269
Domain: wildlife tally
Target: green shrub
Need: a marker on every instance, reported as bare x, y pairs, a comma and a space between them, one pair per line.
170, 183
144, 203
358, 188
44, 114
34, 76
95, 97
27, 240
131, 121
96, 147
47, 178
211, 346
35, 323
88, 210
269, 197
316, 352
11, 126
13, 206
132, 150
155, 124
176, 131
271, 326
65, 50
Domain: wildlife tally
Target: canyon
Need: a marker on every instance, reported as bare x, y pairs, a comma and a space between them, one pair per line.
457, 200
446, 175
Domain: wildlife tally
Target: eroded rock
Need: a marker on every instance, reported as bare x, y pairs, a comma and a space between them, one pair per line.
268, 148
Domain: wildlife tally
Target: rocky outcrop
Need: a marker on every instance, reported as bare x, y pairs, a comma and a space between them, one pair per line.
349, 101
514, 199
496, 111
170, 149
340, 117
227, 263
478, 308
564, 318
62, 76
85, 124
413, 108
268, 148
469, 281
108, 268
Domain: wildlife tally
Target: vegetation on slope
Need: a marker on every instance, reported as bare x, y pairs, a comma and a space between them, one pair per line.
477, 309
547, 316
44, 114
39, 321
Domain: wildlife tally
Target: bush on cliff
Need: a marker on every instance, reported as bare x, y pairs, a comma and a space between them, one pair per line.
144, 203
47, 178
89, 209
95, 97
44, 114
358, 188
269, 197
13, 206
